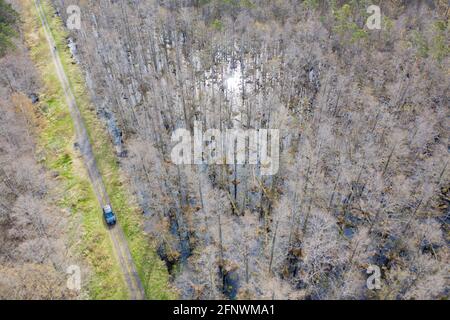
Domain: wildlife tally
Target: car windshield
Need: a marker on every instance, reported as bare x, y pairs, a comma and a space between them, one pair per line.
109, 214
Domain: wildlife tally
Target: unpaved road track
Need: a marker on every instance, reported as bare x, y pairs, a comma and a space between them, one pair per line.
121, 249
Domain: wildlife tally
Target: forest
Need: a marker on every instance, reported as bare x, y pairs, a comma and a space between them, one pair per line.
33, 250
362, 122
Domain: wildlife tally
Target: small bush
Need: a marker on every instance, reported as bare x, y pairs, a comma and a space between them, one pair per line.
8, 20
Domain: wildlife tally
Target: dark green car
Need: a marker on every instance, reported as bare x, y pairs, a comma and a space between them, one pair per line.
109, 215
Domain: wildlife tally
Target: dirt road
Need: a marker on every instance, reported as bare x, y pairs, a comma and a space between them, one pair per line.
121, 249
